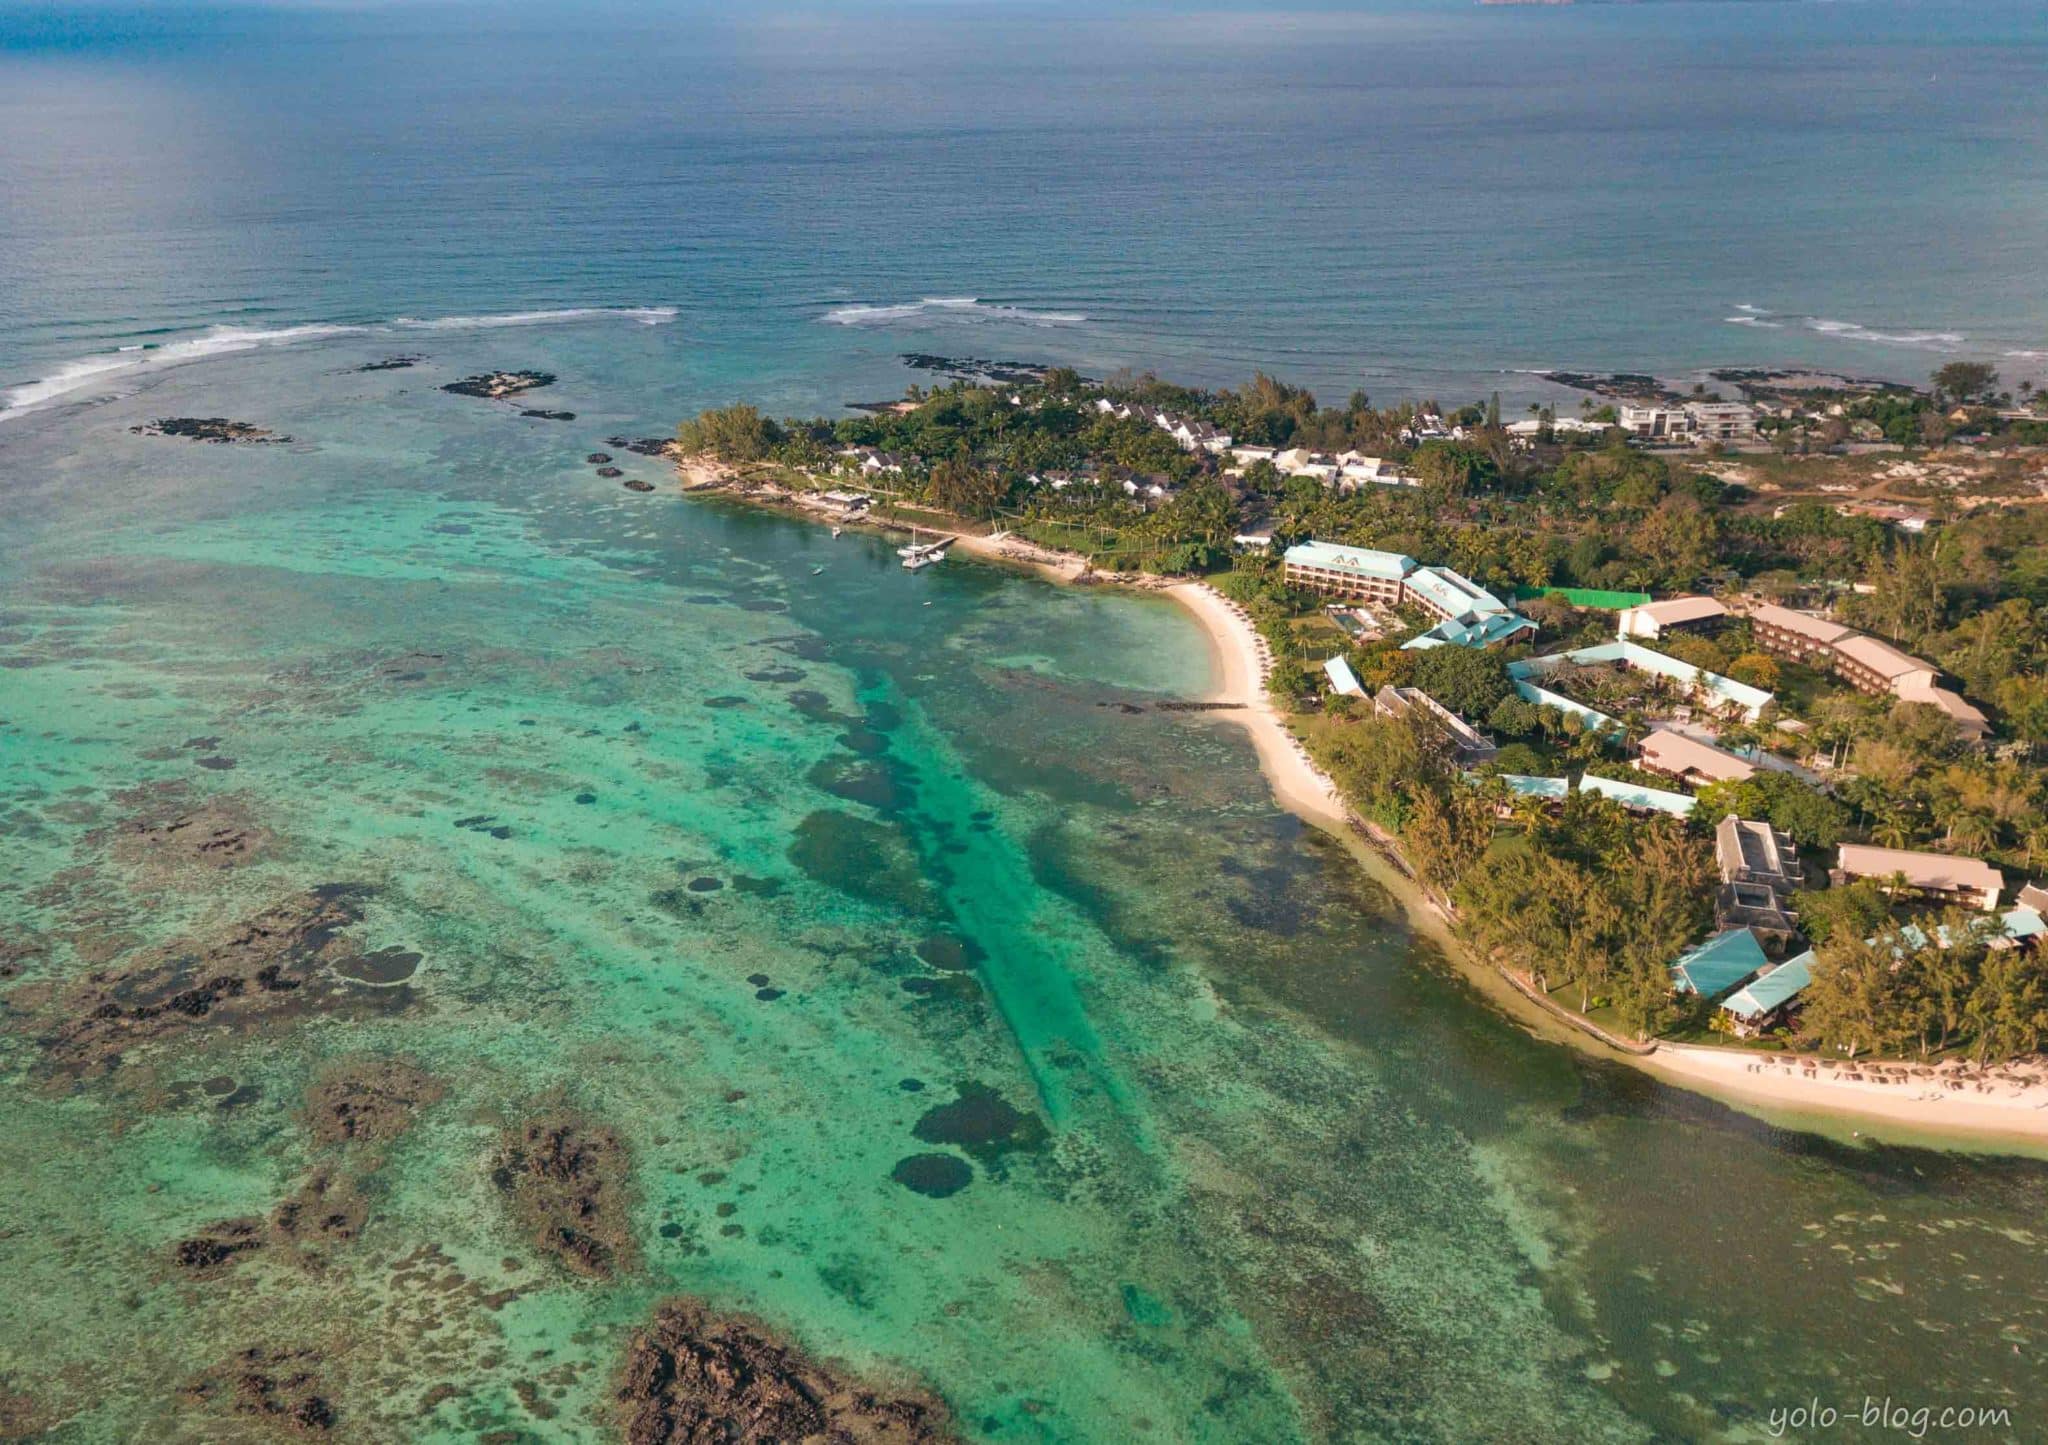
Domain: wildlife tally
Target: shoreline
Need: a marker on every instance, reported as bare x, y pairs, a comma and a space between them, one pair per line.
1789, 1090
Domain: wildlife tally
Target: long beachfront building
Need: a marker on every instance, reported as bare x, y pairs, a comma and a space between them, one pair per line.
1467, 615
1863, 662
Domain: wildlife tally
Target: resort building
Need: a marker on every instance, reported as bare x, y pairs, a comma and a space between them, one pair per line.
1877, 667
1639, 799
1798, 635
1690, 761
1767, 998
1865, 663
1489, 629
1761, 910
1656, 423
1469, 746
1467, 614
871, 461
2025, 926
1530, 428
1192, 434
1937, 875
1722, 421
1301, 462
1548, 790
1725, 961
1343, 681
1710, 688
1749, 851
1355, 469
1759, 872
1360, 572
1971, 724
1652, 620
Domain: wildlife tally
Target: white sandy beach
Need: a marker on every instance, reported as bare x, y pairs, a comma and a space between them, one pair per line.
1243, 662
2009, 1102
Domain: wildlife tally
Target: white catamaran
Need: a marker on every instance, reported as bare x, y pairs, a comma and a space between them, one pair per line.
923, 554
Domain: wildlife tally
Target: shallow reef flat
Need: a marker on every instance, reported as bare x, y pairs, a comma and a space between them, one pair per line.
490, 955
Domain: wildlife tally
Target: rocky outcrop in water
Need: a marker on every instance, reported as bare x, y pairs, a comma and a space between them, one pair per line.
280, 1388
498, 385
352, 1107
273, 966
175, 836
390, 363
634, 484
369, 1101
643, 446
977, 369
208, 429
566, 1182
211, 1251
691, 1378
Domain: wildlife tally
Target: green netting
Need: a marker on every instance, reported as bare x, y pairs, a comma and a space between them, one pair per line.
1586, 597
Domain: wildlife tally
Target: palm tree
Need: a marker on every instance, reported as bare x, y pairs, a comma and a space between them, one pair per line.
1973, 832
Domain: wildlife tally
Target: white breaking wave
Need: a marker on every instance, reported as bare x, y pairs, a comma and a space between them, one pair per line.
1857, 331
1748, 315
645, 315
90, 371
952, 308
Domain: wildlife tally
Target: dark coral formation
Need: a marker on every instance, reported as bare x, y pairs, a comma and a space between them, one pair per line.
643, 446
208, 429
275, 964
935, 1176
369, 1101
981, 1122
692, 1378
215, 1248
326, 1209
279, 1387
174, 835
566, 1181
497, 385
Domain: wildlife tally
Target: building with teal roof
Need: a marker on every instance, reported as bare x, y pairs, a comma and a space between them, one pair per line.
1756, 1002
1709, 686
1492, 630
1721, 963
1523, 785
2025, 925
1635, 795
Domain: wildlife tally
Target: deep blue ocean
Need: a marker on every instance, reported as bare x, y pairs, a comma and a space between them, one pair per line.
1414, 198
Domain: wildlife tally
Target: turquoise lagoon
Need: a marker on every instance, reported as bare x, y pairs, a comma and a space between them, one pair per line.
739, 839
